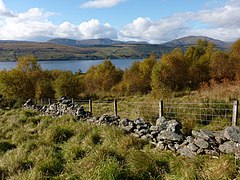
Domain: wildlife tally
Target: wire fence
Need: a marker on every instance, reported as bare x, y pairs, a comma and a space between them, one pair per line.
202, 113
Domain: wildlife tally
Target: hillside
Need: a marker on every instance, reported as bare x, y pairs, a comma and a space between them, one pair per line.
192, 40
70, 49
37, 147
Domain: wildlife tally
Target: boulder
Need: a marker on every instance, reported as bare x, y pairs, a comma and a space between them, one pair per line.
192, 147
203, 134
228, 147
173, 126
232, 133
186, 152
201, 143
170, 136
160, 121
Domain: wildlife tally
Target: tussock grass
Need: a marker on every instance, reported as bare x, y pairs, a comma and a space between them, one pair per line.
36, 147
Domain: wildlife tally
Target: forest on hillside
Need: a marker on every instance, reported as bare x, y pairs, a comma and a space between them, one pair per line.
176, 71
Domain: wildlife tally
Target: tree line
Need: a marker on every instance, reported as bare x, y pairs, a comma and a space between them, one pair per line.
175, 71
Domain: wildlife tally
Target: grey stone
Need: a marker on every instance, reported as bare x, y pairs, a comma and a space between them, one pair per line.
160, 121
228, 147
186, 152
171, 147
192, 147
128, 128
155, 133
139, 121
149, 136
211, 152
173, 126
206, 133
203, 134
176, 146
169, 135
144, 131
189, 139
232, 133
201, 143
220, 138
124, 122
200, 151
154, 128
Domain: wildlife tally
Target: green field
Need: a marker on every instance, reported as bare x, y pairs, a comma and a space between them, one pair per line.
9, 51
37, 147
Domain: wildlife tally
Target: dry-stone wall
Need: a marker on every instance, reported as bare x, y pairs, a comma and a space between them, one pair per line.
165, 135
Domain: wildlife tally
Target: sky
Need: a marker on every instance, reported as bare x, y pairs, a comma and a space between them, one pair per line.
153, 21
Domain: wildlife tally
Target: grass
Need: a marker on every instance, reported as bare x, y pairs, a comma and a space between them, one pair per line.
37, 147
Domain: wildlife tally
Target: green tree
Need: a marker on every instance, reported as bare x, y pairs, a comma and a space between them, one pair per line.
102, 78
199, 58
44, 85
137, 78
170, 72
20, 82
234, 58
67, 84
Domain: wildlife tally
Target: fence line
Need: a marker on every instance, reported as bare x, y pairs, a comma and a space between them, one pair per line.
202, 112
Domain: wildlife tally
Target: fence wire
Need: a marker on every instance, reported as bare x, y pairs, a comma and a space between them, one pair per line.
202, 113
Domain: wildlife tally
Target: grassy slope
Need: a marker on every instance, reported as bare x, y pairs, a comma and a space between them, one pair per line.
49, 51
36, 147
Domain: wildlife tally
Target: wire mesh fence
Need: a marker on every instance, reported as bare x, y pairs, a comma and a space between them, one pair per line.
201, 113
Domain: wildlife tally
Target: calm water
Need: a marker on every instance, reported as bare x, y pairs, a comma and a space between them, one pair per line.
73, 65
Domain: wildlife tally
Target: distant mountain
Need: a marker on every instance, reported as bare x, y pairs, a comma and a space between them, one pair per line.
91, 42
192, 40
70, 49
85, 42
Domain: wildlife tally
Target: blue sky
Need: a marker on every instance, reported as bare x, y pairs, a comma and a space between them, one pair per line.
154, 21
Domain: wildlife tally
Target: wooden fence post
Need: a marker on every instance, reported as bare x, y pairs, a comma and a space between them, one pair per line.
90, 105
235, 113
49, 101
41, 102
160, 108
115, 107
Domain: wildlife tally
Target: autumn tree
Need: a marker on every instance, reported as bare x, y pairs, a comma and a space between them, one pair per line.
67, 84
199, 58
234, 58
101, 78
20, 82
170, 72
221, 66
137, 78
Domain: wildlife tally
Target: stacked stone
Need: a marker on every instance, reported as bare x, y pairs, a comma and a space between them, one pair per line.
165, 135
63, 106
212, 143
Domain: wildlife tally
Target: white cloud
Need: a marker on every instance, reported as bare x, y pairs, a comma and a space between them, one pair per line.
145, 29
222, 23
35, 25
101, 3
4, 11
93, 29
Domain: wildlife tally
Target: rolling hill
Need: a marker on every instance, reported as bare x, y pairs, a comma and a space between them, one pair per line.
70, 49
